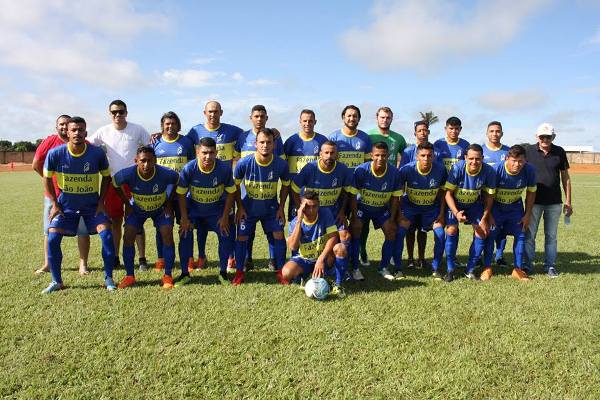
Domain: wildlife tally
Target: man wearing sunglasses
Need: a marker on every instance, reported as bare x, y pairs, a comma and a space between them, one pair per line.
120, 140
552, 169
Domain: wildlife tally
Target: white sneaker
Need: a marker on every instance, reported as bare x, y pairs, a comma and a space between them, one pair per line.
231, 270
357, 275
386, 274
399, 275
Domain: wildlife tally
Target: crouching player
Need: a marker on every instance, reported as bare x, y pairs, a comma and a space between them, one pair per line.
469, 196
314, 235
206, 193
77, 166
148, 183
513, 176
378, 188
423, 202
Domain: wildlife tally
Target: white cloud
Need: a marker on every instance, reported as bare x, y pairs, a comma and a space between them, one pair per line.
424, 34
512, 101
262, 82
192, 78
238, 77
69, 40
203, 60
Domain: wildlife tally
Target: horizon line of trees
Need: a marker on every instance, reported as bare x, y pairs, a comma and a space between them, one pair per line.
22, 145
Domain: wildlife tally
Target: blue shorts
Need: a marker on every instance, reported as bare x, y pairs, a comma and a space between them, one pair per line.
421, 218
211, 223
474, 213
269, 223
507, 221
307, 266
158, 217
70, 222
81, 228
378, 217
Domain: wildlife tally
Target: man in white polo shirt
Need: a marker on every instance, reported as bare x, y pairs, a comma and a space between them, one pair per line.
120, 140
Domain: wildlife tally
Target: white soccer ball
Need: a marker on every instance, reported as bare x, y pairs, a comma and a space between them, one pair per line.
317, 288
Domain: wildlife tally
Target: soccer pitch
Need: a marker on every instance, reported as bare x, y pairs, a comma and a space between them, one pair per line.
415, 338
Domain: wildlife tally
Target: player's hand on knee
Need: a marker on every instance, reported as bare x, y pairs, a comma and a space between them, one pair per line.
461, 217
240, 215
56, 210
319, 269
223, 224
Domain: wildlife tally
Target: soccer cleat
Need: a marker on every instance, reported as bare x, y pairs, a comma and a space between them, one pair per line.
357, 275
338, 291
519, 274
191, 265
110, 284
280, 278
183, 280
458, 264
552, 272
166, 282
53, 287
486, 275
248, 265
159, 265
386, 274
449, 277
410, 263
128, 280
364, 260
471, 276
399, 276
436, 276
201, 262
423, 264
223, 278
272, 267
231, 263
143, 264
238, 279
501, 262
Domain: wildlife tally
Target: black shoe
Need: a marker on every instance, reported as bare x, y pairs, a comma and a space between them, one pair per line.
501, 262
449, 277
143, 264
223, 278
410, 264
423, 264
472, 276
248, 265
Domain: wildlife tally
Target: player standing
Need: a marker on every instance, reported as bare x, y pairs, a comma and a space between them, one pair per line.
77, 167
149, 184
467, 181
258, 175
423, 202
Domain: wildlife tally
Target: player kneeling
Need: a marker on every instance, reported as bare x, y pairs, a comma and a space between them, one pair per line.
513, 176
148, 183
314, 235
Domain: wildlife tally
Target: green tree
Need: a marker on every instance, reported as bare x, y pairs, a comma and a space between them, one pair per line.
23, 146
429, 116
5, 145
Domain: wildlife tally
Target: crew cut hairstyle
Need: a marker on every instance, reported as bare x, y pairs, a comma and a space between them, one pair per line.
351, 107
76, 120
307, 111
516, 151
310, 195
475, 147
63, 116
145, 149
425, 146
421, 122
386, 109
266, 131
495, 123
171, 115
207, 142
328, 143
117, 102
258, 107
453, 121
381, 145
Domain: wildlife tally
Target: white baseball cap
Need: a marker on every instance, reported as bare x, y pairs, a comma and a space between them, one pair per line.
545, 129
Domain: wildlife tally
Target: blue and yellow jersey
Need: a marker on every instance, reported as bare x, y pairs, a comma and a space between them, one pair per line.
174, 154
226, 137
467, 187
409, 155
328, 185
352, 150
299, 151
246, 145
493, 157
420, 188
314, 234
258, 183
147, 195
375, 191
77, 176
450, 153
510, 188
206, 190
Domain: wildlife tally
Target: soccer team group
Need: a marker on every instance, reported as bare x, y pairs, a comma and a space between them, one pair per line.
222, 179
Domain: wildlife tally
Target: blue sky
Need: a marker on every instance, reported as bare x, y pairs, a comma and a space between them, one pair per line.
521, 62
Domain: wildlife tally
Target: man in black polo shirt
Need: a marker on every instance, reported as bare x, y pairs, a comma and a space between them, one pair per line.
551, 167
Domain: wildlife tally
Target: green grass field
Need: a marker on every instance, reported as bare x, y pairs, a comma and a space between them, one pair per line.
411, 339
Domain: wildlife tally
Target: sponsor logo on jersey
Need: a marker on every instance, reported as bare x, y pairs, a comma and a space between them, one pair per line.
270, 175
86, 167
215, 181
155, 188
384, 186
432, 183
334, 182
179, 150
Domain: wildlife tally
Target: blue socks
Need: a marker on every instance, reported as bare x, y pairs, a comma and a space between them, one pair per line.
241, 249
279, 251
354, 250
186, 250
201, 240
128, 259
169, 253
341, 266
226, 246
387, 251
400, 235
55, 255
108, 252
159, 243
451, 245
439, 240
519, 249
478, 246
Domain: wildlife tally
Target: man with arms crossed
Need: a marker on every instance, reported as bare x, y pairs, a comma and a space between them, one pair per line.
258, 175
467, 181
149, 184
77, 167
83, 238
313, 235
552, 169
120, 140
